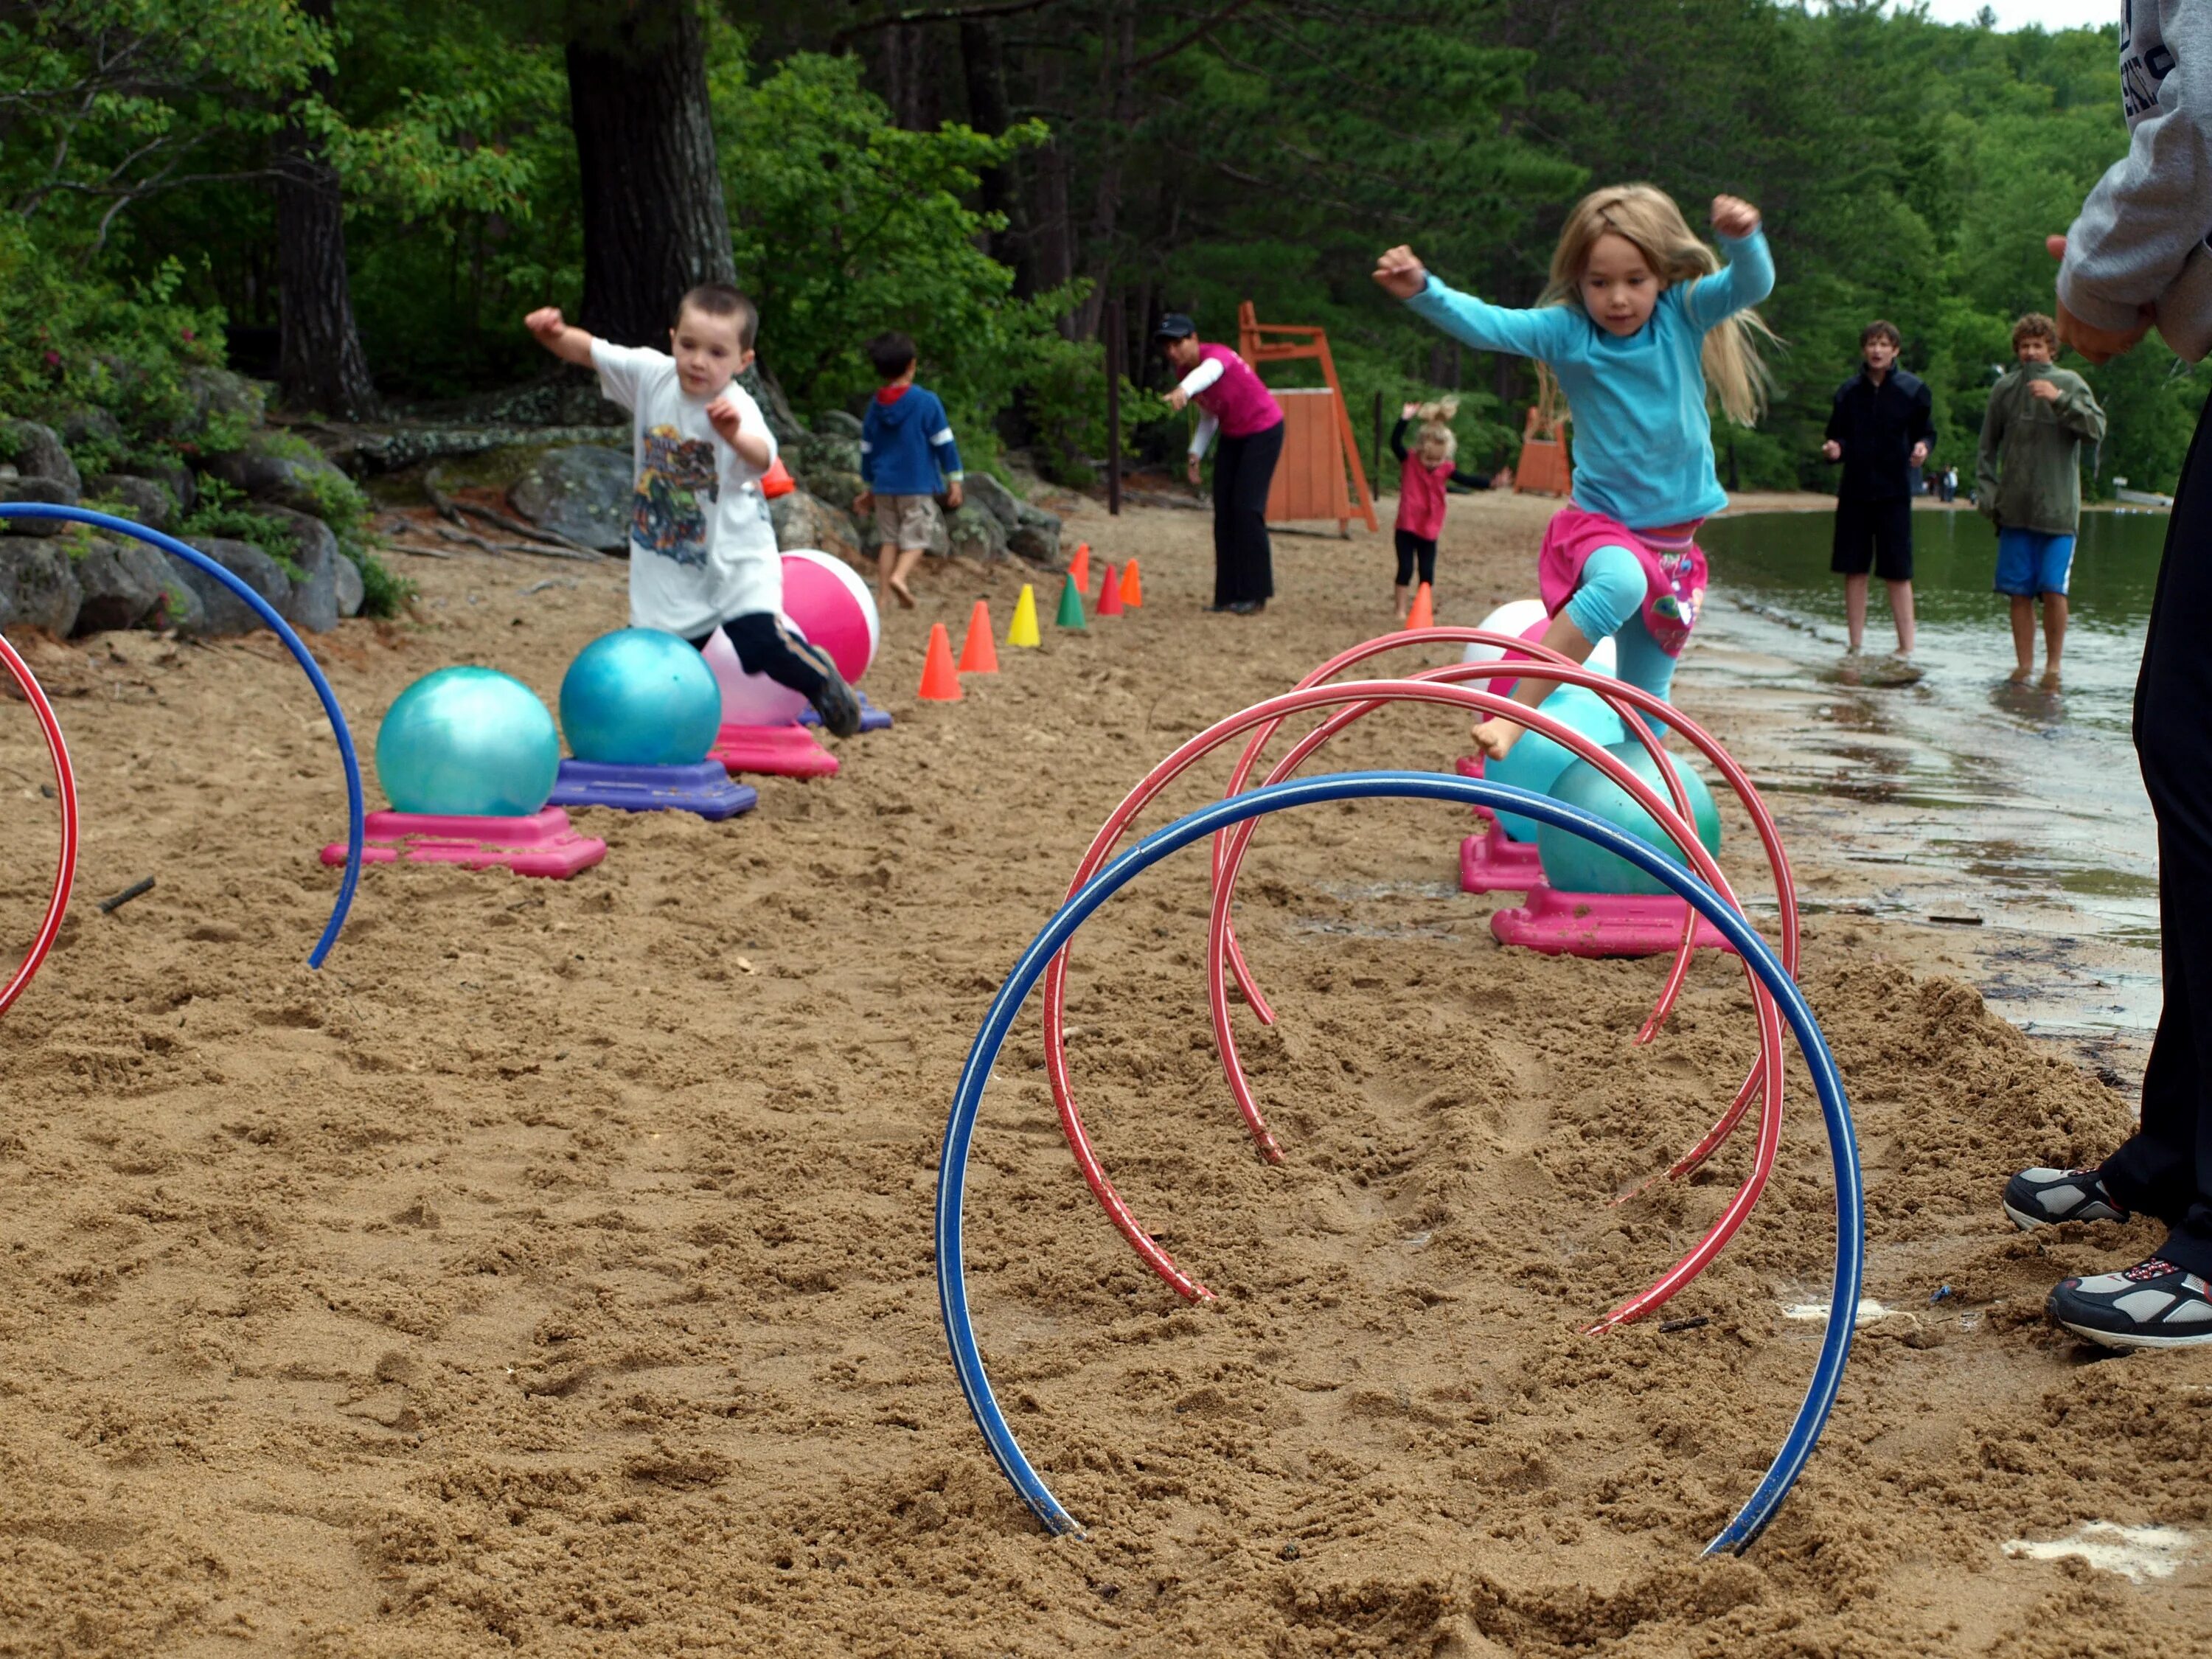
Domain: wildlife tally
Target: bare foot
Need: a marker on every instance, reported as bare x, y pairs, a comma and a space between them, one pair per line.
905, 593
1496, 735
2019, 676
2050, 680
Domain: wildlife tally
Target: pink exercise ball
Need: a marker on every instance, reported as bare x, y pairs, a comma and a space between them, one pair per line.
1527, 618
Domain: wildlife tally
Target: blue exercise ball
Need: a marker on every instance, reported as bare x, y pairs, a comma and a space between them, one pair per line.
1572, 865
1535, 763
471, 742
640, 697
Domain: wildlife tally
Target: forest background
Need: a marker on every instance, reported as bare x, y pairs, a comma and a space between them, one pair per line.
358, 199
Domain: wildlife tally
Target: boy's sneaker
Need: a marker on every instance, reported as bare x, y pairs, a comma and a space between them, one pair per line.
2044, 1198
837, 703
2153, 1304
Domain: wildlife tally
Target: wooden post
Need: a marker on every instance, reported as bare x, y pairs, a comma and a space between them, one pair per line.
1114, 404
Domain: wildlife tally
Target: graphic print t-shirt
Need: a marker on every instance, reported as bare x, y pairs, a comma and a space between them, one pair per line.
701, 548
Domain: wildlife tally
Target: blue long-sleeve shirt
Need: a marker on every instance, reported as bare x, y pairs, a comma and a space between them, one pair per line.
1643, 441
906, 442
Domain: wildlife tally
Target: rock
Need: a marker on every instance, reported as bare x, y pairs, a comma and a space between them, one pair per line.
816, 453
52, 490
803, 520
582, 492
1036, 536
275, 466
181, 609
352, 594
38, 586
90, 424
314, 601
975, 533
120, 583
1002, 503
143, 501
218, 396
774, 407
36, 452
177, 478
363, 450
836, 423
840, 490
223, 611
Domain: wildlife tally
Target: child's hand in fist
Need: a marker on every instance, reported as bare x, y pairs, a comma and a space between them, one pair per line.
1401, 273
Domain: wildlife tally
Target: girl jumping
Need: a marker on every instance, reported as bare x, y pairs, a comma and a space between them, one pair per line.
1641, 323
1421, 481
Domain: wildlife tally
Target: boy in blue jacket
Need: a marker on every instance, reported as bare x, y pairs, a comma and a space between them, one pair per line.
906, 441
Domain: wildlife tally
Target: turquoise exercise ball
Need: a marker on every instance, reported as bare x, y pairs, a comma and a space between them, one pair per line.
1535, 763
640, 697
1572, 865
470, 742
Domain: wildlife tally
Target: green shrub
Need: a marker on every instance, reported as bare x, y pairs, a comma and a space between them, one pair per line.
223, 511
384, 592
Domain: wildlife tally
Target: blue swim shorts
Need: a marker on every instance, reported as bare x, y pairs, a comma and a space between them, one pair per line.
2031, 563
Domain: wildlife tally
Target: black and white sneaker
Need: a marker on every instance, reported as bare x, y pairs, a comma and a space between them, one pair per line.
2153, 1304
2044, 1198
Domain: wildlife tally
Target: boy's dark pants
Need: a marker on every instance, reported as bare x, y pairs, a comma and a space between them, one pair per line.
765, 646
2166, 1168
1243, 562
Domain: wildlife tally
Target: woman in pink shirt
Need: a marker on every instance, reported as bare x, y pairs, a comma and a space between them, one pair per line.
1230, 399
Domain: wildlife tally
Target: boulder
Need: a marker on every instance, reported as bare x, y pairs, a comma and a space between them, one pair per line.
275, 466
90, 424
36, 452
51, 491
175, 476
1035, 536
582, 492
222, 610
836, 423
143, 501
975, 533
774, 407
352, 594
218, 395
120, 583
803, 520
840, 490
818, 453
313, 604
38, 586
179, 610
1002, 503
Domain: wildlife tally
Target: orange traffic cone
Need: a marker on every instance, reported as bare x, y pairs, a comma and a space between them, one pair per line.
939, 683
1424, 614
1132, 586
977, 654
777, 480
1079, 569
1110, 593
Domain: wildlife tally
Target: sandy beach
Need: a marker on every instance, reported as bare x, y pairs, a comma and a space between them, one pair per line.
551, 1272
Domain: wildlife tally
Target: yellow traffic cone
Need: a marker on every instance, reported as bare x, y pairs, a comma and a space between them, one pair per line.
1023, 630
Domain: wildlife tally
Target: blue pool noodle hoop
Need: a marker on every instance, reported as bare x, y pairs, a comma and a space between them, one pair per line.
292, 643
960, 1126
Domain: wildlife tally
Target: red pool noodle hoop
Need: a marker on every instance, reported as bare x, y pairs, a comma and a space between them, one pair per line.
65, 867
1626, 700
1320, 697
1717, 1236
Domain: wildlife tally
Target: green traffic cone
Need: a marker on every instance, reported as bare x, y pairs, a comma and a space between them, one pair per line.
1070, 607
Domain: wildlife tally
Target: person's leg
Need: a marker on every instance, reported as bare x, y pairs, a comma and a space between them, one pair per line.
765, 646
1406, 542
2015, 580
1427, 549
2023, 638
2053, 572
1900, 613
1639, 661
1254, 579
909, 557
1852, 557
1855, 609
1228, 462
886, 563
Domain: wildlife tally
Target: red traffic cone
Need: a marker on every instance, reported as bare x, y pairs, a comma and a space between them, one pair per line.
940, 683
977, 654
1110, 593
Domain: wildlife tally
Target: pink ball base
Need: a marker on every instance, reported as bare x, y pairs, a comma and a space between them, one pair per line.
541, 844
1600, 924
782, 751
1493, 862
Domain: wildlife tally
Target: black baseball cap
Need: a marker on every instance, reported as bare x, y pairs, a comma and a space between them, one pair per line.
1175, 326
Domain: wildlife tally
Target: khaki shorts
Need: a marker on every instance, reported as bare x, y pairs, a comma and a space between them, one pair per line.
905, 521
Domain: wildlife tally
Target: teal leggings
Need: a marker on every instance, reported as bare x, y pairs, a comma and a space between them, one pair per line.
1609, 603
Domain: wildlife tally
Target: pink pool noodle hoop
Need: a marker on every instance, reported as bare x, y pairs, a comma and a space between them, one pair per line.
65, 788
1275, 710
1702, 1252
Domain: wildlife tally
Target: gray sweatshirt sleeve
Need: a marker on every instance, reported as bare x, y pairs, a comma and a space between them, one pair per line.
2143, 227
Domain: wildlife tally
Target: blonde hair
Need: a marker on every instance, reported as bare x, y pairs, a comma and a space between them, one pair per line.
1648, 218
1436, 419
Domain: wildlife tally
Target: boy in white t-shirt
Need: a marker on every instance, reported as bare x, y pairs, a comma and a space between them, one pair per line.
702, 553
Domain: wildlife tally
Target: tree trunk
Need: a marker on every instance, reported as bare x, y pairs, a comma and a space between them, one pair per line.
983, 58
319, 363
654, 220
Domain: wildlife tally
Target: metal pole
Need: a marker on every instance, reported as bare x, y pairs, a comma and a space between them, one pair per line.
1114, 404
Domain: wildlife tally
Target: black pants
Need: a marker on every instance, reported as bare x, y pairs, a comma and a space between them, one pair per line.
1874, 535
1243, 562
1412, 547
765, 646
2165, 1168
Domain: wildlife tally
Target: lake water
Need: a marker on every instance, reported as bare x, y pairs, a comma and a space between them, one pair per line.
1958, 794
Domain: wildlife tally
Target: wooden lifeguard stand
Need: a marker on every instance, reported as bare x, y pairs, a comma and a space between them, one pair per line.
1544, 469
1317, 440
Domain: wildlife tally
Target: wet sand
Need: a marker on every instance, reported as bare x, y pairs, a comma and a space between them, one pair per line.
552, 1271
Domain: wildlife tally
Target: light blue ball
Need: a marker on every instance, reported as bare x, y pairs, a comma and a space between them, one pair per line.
468, 741
1535, 763
1574, 865
641, 698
